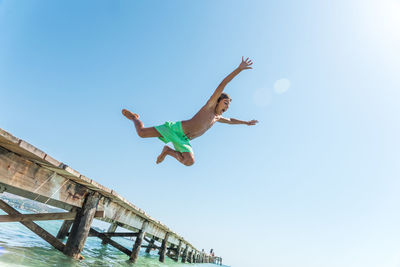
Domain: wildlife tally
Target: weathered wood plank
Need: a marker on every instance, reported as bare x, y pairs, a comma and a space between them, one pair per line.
43, 216
110, 241
119, 234
7, 138
26, 178
64, 229
34, 227
16, 148
38, 217
81, 227
109, 235
150, 245
111, 229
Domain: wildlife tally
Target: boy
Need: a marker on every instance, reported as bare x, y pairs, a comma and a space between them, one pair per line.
180, 133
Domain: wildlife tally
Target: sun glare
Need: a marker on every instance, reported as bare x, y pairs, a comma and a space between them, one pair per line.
383, 20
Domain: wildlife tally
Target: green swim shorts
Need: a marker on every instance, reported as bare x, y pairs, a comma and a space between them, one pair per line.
172, 132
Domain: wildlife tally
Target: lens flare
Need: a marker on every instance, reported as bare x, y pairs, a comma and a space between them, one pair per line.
281, 86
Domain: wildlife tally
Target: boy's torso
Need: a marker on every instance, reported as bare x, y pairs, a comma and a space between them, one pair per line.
200, 123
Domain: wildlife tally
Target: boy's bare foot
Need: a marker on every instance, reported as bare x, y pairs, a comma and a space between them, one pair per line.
130, 115
161, 157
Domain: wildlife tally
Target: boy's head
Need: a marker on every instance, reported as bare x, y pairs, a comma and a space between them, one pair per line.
222, 103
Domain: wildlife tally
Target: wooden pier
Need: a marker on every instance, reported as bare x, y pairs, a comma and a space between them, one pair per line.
29, 172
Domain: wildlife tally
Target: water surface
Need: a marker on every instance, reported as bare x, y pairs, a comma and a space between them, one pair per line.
21, 247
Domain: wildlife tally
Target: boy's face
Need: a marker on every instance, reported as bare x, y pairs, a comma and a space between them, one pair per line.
222, 106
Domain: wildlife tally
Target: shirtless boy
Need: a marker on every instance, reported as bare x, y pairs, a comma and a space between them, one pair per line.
180, 133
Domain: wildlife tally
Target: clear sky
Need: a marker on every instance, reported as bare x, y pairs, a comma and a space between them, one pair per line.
315, 183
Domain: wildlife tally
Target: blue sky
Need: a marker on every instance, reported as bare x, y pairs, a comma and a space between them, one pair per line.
315, 183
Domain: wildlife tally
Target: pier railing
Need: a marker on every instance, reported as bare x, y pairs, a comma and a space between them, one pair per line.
31, 173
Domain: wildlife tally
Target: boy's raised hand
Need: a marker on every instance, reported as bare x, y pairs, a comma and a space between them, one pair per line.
252, 122
245, 64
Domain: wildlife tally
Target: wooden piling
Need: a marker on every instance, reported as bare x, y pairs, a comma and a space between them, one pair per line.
64, 229
178, 251
194, 256
66, 226
81, 226
163, 248
111, 229
185, 253
171, 251
150, 245
190, 259
138, 242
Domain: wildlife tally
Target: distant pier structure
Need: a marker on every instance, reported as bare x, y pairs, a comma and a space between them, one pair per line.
29, 172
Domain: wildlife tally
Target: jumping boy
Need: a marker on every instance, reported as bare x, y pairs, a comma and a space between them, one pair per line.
181, 132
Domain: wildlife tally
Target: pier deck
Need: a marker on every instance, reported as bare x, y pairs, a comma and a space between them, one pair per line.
31, 173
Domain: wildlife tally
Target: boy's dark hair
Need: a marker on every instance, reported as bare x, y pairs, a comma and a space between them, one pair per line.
224, 96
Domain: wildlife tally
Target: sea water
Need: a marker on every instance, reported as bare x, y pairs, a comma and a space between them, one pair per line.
21, 247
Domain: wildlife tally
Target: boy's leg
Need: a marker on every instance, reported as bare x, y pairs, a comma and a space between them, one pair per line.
140, 129
186, 158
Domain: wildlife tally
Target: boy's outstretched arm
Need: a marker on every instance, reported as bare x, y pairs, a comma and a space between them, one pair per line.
236, 121
244, 65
